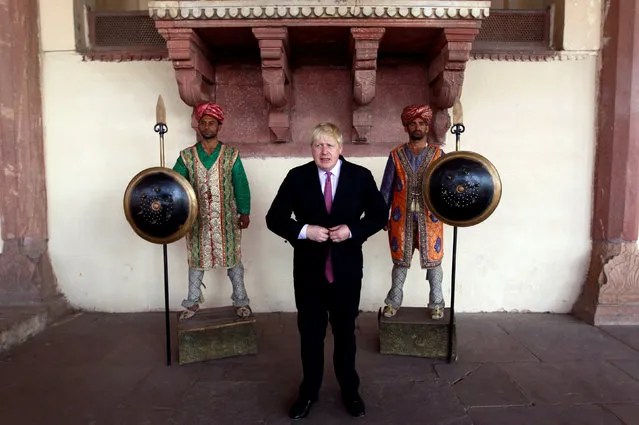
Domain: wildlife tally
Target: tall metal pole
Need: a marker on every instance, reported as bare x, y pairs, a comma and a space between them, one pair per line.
161, 128
457, 130
167, 319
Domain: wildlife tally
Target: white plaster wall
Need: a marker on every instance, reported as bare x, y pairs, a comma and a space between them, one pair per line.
582, 24
56, 25
534, 121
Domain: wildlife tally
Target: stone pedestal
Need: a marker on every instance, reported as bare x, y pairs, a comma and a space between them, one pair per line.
411, 332
215, 333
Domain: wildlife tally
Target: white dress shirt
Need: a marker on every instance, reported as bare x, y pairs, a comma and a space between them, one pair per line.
322, 177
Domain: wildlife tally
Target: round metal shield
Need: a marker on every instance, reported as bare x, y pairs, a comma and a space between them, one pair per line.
160, 205
461, 188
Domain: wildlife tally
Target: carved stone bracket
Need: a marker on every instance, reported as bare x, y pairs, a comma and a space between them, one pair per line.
365, 45
446, 75
446, 72
277, 78
439, 127
194, 70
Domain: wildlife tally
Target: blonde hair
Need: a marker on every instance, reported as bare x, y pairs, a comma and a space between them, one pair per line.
326, 129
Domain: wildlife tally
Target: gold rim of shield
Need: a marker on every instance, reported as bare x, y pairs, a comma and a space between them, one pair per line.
470, 155
192, 204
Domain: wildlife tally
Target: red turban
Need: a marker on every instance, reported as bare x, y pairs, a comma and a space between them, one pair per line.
413, 112
209, 109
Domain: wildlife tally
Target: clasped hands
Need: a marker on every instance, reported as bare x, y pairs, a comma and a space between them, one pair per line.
322, 234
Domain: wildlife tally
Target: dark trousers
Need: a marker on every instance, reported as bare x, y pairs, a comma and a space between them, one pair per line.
319, 303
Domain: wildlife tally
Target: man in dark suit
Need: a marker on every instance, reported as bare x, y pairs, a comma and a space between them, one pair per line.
336, 207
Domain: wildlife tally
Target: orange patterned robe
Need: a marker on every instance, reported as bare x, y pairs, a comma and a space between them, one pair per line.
410, 224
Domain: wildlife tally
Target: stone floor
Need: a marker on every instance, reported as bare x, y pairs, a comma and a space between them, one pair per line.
528, 369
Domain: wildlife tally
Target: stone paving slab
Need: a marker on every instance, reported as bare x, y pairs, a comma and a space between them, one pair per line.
544, 415
627, 334
455, 371
574, 382
562, 338
110, 369
489, 386
631, 367
481, 340
628, 413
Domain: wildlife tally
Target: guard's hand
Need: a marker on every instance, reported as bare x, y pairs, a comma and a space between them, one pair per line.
386, 228
339, 233
244, 221
317, 233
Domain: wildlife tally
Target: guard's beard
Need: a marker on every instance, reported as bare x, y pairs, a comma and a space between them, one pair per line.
417, 135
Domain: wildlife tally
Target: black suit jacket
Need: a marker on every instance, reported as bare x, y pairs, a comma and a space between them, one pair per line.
357, 203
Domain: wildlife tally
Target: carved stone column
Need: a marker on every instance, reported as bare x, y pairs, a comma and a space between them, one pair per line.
365, 44
277, 79
26, 274
446, 75
610, 294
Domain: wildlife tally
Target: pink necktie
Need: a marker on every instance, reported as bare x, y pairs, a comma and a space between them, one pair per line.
328, 201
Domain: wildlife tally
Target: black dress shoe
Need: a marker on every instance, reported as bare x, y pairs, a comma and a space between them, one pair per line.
301, 408
354, 405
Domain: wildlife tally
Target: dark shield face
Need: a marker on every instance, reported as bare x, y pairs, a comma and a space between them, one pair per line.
462, 188
160, 205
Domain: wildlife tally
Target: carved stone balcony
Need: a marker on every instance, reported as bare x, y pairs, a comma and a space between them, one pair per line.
356, 63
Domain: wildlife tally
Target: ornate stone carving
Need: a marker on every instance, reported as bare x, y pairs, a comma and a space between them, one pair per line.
457, 21
277, 79
506, 56
446, 76
446, 72
619, 280
324, 9
445, 88
365, 45
126, 56
194, 71
611, 292
439, 127
364, 81
279, 123
362, 124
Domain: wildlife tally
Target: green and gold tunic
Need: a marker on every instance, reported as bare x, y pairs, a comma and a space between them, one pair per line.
222, 191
